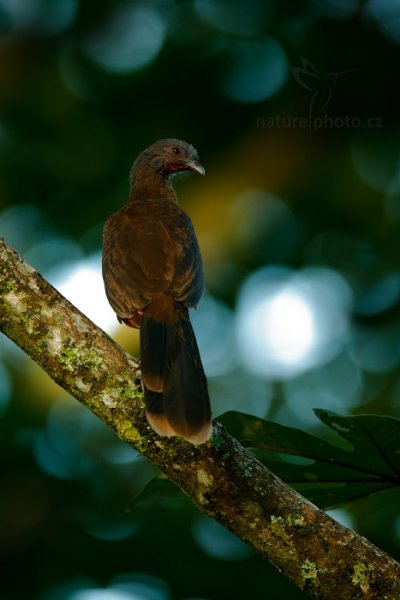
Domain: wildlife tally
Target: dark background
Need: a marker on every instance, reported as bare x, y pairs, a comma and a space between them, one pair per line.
294, 109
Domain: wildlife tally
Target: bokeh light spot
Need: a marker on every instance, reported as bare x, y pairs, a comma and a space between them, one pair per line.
131, 39
24, 225
135, 586
286, 320
218, 542
339, 9
53, 252
336, 386
213, 325
99, 594
342, 516
147, 587
289, 322
57, 449
377, 169
112, 531
49, 17
5, 388
392, 204
227, 393
82, 284
380, 296
386, 14
256, 70
375, 351
237, 18
265, 228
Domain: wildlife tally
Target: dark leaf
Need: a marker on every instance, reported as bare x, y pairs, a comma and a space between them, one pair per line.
327, 474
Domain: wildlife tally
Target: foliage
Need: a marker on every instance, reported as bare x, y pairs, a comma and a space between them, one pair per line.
324, 472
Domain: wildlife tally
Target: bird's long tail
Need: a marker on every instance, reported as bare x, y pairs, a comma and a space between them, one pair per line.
175, 386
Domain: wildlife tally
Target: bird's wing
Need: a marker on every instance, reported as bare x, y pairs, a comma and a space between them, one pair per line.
188, 279
138, 260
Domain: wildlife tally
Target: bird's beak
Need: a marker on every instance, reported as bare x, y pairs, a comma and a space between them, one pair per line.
193, 165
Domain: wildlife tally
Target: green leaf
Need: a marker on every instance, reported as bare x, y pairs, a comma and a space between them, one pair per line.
325, 473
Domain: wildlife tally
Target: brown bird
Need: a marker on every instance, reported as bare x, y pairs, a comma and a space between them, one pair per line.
153, 273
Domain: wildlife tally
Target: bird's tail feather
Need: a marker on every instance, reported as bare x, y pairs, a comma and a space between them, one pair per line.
174, 382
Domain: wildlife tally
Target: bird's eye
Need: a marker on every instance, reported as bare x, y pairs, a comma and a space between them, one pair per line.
176, 150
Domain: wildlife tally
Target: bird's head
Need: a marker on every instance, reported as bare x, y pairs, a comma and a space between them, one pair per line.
171, 156
153, 169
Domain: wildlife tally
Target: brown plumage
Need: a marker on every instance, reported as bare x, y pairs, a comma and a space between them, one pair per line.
153, 274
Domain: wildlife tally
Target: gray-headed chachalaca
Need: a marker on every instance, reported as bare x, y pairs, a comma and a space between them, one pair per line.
153, 274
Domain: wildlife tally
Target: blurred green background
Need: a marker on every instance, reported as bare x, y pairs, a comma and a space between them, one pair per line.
294, 109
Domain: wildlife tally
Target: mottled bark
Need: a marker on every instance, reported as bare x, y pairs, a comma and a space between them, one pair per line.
226, 482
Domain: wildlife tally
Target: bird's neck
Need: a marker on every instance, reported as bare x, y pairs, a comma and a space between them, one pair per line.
150, 185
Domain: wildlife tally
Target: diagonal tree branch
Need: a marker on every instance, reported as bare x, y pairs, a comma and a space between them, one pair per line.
225, 481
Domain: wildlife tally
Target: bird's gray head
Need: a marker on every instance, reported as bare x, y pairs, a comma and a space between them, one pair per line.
168, 157
153, 169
